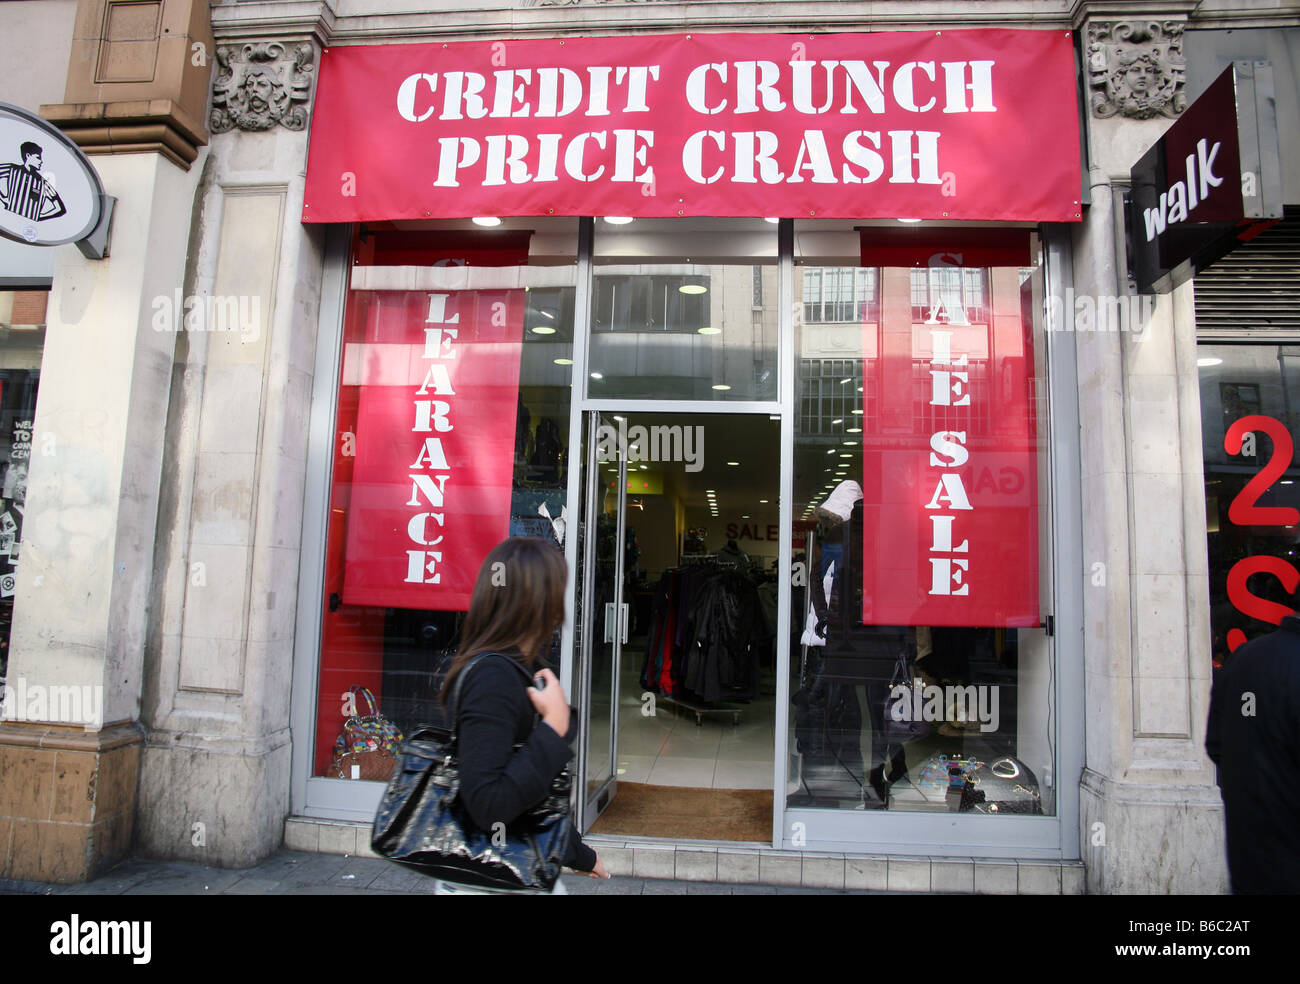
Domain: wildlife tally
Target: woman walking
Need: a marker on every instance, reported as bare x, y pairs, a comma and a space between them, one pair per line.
508, 758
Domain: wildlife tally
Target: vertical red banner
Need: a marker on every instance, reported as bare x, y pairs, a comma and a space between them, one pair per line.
432, 479
950, 459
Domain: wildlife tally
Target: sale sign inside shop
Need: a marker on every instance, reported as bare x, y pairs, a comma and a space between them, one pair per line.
950, 449
925, 124
439, 384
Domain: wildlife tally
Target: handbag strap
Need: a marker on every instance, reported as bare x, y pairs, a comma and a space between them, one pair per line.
453, 703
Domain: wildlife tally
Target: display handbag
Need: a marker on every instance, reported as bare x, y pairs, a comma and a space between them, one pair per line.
900, 707
421, 822
366, 747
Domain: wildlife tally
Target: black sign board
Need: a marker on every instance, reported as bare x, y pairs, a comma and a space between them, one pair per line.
1211, 182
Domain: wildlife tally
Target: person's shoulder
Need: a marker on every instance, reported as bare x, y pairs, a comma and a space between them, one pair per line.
492, 669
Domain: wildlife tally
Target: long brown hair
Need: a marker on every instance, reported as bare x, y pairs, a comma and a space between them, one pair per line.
517, 602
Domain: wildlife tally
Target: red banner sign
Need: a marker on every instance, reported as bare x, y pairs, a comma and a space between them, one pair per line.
950, 469
977, 125
439, 387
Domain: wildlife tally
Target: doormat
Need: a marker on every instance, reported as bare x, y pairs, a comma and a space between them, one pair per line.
688, 813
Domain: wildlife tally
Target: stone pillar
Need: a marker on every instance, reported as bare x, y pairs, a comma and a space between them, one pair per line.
68, 773
215, 781
1151, 817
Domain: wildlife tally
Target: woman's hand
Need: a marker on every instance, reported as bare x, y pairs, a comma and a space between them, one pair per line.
551, 703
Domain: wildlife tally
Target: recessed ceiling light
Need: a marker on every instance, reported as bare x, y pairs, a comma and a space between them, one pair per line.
709, 330
597, 375
692, 289
846, 455
543, 330
843, 381
618, 219
486, 220
645, 467
564, 362
1209, 361
852, 430
733, 462
858, 412
721, 386
909, 220
850, 444
838, 420
762, 500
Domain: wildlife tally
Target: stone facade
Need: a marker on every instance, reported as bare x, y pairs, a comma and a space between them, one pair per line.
164, 557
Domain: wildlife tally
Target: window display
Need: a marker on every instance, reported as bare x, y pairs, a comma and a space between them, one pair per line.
452, 432
1252, 501
22, 342
921, 673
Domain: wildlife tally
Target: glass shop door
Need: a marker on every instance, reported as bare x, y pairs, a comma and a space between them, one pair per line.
601, 581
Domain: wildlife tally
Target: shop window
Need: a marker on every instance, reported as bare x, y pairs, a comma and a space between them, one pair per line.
1250, 419
920, 658
22, 342
451, 434
684, 309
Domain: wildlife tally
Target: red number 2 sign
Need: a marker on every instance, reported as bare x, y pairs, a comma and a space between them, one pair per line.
1243, 511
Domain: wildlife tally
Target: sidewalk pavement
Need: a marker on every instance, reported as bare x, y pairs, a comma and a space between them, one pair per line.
304, 873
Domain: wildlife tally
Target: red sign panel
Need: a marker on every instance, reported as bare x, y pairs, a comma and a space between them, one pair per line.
439, 386
926, 125
950, 469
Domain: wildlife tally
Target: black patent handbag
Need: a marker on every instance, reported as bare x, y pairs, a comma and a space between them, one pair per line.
422, 824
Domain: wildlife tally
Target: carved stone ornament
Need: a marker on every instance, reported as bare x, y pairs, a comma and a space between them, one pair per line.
260, 85
1136, 69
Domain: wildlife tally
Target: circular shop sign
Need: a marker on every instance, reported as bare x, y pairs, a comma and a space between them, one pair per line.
49, 192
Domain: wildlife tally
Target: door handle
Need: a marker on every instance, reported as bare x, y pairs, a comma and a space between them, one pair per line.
609, 621
624, 620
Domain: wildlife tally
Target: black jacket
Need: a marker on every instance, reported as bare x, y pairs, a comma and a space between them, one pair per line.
498, 782
1253, 735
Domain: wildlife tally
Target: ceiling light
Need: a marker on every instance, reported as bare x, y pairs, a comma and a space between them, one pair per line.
838, 420
858, 412
618, 219
645, 467
846, 454
1209, 361
733, 462
597, 375
692, 289
563, 362
486, 220
843, 381
762, 500
852, 430
773, 221
721, 386
543, 330
617, 417
909, 220
850, 444
546, 314
708, 330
